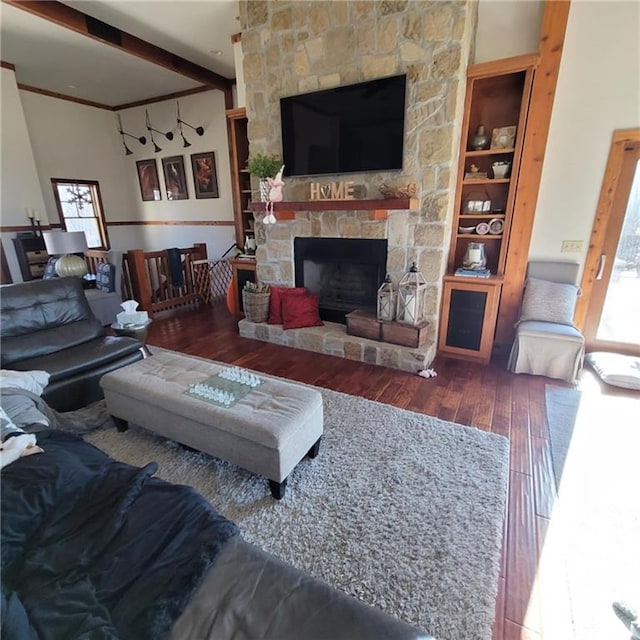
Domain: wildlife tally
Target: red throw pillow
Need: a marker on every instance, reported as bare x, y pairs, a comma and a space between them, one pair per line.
300, 311
275, 301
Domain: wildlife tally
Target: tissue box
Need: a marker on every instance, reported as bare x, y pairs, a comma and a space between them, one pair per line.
132, 319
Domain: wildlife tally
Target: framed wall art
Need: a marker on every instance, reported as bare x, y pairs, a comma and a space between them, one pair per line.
503, 138
148, 179
205, 179
174, 178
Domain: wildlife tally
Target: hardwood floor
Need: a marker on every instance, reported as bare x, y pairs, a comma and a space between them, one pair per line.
487, 397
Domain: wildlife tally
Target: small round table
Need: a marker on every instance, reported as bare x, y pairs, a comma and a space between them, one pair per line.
137, 331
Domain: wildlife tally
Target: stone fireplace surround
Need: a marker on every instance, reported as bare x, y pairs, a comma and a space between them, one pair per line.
292, 47
276, 246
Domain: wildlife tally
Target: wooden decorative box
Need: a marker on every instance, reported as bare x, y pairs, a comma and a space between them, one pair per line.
367, 325
404, 334
363, 325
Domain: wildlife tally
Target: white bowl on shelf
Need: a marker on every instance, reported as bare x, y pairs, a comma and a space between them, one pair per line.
466, 229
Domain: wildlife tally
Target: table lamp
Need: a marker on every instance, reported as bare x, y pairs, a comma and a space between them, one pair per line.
65, 244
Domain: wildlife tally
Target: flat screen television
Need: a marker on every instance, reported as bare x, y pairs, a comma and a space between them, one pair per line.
358, 127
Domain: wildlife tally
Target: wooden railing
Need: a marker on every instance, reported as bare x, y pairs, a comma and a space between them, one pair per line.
149, 279
93, 257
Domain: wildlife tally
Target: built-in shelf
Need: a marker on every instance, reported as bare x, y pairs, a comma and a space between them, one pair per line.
488, 152
483, 236
477, 216
486, 181
378, 208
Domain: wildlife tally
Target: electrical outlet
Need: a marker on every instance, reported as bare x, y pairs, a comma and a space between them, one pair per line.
571, 246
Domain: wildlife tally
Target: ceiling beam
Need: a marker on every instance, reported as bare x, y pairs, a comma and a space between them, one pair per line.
85, 25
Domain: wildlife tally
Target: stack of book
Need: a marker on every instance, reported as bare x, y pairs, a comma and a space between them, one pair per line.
473, 273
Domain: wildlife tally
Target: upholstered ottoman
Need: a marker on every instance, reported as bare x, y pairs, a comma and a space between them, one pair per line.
268, 431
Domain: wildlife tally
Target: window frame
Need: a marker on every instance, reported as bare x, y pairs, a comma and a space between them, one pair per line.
94, 186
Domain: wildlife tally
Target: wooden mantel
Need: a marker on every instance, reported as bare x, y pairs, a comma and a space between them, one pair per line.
379, 208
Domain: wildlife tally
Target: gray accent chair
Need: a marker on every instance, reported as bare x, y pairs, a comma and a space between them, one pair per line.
547, 343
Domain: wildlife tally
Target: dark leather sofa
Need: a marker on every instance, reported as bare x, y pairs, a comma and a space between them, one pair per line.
48, 325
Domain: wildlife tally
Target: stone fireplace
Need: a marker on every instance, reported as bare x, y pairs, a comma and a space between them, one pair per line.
293, 47
345, 273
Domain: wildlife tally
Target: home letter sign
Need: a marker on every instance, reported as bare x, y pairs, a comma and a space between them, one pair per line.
331, 191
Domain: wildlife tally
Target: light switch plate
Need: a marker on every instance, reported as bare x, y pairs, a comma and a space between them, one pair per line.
571, 246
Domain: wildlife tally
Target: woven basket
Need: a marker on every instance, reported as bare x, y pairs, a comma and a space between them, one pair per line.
256, 306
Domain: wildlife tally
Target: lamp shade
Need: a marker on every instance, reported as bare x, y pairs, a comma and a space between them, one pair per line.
65, 244
59, 243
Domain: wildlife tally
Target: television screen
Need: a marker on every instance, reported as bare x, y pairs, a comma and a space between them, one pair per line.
359, 127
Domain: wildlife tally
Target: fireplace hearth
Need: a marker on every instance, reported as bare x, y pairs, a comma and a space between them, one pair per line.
345, 273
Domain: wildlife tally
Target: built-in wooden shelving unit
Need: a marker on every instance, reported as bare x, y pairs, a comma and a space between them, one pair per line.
498, 95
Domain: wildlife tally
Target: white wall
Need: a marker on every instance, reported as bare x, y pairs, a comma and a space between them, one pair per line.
202, 109
507, 28
152, 238
71, 140
598, 91
46, 138
19, 185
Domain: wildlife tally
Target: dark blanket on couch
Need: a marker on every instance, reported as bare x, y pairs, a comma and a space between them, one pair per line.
94, 548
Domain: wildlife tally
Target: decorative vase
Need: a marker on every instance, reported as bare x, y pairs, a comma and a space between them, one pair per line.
475, 258
481, 139
250, 245
501, 169
264, 190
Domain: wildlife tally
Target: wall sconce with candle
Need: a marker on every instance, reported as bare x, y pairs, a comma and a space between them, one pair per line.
34, 218
198, 130
168, 135
141, 139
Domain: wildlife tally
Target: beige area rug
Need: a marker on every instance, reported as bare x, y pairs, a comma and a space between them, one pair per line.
399, 509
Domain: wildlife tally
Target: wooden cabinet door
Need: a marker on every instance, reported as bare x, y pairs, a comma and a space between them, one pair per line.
469, 311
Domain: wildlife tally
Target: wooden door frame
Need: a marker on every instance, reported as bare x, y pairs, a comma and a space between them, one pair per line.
604, 214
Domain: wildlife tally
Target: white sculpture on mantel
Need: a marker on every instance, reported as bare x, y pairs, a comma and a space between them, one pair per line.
275, 195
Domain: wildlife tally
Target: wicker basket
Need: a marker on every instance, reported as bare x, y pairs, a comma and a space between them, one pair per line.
256, 306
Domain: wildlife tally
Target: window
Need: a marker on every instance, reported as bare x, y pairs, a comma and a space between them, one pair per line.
80, 209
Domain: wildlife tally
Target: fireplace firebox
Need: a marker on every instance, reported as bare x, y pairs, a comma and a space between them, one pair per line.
345, 273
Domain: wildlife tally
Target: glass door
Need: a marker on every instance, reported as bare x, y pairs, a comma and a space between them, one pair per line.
612, 322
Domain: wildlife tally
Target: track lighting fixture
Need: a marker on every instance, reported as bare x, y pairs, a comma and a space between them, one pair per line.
198, 130
141, 139
150, 129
